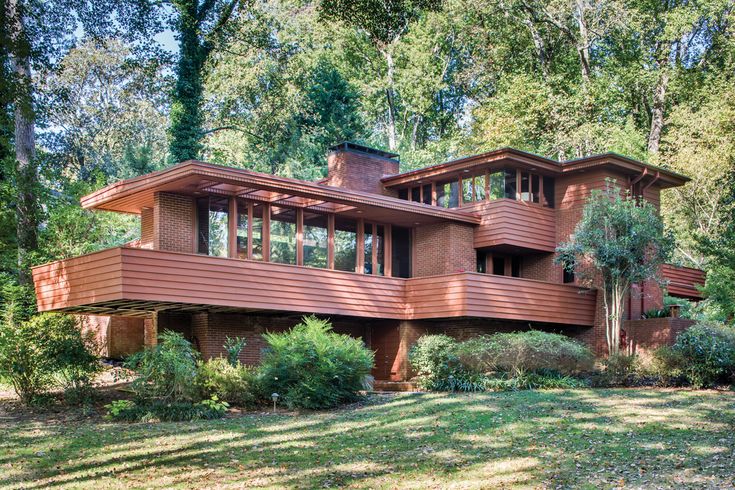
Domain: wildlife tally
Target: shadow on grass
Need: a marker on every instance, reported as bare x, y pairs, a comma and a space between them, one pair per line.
558, 438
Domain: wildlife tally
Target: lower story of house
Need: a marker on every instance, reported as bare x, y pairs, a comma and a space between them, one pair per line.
390, 340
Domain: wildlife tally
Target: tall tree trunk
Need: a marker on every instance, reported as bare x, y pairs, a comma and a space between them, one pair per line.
538, 43
583, 46
25, 145
657, 112
186, 116
390, 98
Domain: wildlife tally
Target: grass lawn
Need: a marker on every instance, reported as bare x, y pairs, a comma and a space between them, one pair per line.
579, 438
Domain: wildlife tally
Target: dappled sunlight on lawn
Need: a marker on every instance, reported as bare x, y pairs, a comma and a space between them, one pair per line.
566, 438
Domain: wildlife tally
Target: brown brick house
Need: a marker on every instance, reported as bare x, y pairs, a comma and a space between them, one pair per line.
464, 247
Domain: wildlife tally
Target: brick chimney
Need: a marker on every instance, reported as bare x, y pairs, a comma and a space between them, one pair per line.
360, 168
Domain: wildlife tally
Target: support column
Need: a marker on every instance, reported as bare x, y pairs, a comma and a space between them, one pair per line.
150, 330
408, 333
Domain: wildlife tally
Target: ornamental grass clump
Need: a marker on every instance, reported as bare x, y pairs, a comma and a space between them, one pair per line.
312, 367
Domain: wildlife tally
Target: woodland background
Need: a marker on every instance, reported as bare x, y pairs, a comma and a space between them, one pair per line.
94, 92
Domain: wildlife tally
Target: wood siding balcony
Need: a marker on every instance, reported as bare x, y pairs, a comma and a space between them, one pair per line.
137, 281
506, 222
683, 282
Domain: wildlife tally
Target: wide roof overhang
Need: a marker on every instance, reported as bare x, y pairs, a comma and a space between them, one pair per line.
520, 159
198, 178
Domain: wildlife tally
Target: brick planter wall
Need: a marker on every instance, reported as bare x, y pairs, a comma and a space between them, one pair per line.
649, 334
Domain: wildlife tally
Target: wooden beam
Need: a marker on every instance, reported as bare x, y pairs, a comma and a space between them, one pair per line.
299, 237
388, 250
360, 267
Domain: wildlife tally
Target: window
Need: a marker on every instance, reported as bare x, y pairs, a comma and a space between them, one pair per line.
368, 248
283, 235
515, 266
549, 192
213, 226
467, 189
535, 196
316, 240
242, 230
497, 185
510, 184
480, 187
258, 212
426, 198
481, 261
345, 244
379, 244
403, 194
499, 266
525, 186
416, 194
568, 277
447, 194
401, 251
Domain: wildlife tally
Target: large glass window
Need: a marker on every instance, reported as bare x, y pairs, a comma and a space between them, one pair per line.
480, 188
345, 244
283, 235
447, 194
535, 188
525, 186
416, 194
401, 251
549, 192
316, 240
497, 185
426, 197
368, 248
213, 222
467, 189
379, 244
510, 184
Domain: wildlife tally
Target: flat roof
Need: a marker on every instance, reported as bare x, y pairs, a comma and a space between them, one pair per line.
532, 161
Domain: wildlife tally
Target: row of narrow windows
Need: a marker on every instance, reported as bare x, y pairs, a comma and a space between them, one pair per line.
509, 184
270, 233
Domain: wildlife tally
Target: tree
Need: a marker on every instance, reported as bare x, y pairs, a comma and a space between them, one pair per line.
199, 27
619, 241
384, 23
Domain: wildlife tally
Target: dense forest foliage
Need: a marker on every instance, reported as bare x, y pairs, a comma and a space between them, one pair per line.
90, 97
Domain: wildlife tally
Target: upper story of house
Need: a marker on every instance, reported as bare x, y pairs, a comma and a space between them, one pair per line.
351, 238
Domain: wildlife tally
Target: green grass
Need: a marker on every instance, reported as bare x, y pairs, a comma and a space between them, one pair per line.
579, 438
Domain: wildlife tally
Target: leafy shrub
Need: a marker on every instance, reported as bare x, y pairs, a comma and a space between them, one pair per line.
521, 352
434, 358
535, 381
708, 352
159, 410
233, 348
234, 384
619, 370
667, 366
312, 367
656, 313
166, 371
36, 354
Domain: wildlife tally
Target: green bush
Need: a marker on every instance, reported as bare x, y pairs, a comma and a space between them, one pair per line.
159, 410
36, 354
667, 366
166, 371
521, 352
234, 384
619, 370
312, 367
708, 352
502, 361
233, 348
434, 359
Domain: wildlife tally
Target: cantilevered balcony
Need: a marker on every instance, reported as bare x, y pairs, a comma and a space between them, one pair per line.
134, 281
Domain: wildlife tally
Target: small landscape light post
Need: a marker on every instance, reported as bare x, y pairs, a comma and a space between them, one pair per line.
274, 397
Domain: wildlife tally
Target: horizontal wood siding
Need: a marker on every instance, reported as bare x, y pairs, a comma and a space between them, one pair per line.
158, 277
489, 296
516, 223
683, 281
83, 280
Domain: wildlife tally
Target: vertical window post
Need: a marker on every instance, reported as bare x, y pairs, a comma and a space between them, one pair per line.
388, 250
360, 246
433, 193
299, 236
374, 250
250, 231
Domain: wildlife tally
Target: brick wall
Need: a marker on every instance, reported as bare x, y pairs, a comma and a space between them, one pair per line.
649, 334
540, 267
173, 222
443, 248
115, 336
360, 171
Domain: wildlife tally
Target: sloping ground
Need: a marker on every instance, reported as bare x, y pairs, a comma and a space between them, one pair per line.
578, 439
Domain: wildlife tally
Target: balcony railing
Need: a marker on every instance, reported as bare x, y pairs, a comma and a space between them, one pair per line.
137, 281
